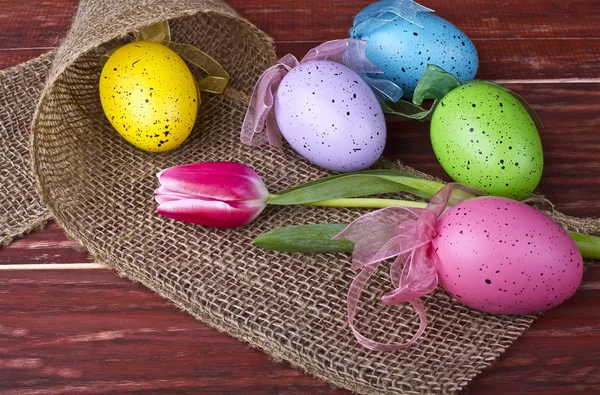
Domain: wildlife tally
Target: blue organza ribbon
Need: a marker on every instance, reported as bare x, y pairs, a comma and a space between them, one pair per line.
381, 13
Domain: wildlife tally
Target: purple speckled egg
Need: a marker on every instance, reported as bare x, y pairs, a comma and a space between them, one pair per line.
330, 116
503, 256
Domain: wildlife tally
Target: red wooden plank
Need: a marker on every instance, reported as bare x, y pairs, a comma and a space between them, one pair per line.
93, 332
116, 336
40, 23
12, 57
558, 355
315, 20
35, 23
515, 40
49, 246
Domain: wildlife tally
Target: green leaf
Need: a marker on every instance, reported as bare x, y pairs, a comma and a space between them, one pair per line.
407, 109
305, 238
370, 182
423, 188
434, 84
588, 245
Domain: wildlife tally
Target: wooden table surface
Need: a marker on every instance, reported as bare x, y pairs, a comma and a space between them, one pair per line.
68, 326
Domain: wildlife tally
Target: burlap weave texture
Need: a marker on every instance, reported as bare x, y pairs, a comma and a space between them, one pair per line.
100, 190
21, 210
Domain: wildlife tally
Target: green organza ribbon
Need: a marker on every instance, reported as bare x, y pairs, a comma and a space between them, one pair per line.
215, 79
435, 84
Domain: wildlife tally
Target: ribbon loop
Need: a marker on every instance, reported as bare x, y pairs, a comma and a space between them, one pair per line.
404, 233
158, 32
354, 293
349, 52
216, 79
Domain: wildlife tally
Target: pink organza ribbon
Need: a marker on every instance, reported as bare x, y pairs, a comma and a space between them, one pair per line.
404, 233
349, 52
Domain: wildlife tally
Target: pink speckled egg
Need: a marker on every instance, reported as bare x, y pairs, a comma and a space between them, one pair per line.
330, 116
503, 256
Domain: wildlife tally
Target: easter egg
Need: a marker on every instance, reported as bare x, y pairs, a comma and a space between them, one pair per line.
149, 96
403, 50
484, 137
503, 256
330, 116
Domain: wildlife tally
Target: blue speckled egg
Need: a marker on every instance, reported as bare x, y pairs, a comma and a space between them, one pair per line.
403, 50
330, 116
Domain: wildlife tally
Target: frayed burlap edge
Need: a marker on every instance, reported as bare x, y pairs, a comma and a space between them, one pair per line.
21, 210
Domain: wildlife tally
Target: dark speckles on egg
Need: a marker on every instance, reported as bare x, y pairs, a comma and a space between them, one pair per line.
519, 277
516, 168
330, 107
403, 50
142, 86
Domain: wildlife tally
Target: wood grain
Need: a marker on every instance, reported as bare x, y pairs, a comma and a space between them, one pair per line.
40, 23
514, 41
93, 332
88, 331
50, 246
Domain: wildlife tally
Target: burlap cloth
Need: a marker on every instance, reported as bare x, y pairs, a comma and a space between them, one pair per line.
100, 190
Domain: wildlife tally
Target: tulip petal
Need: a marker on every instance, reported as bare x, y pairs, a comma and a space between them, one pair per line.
225, 181
212, 212
164, 195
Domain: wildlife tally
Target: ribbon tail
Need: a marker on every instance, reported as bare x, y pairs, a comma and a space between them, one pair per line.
258, 115
274, 135
352, 53
217, 78
384, 234
355, 58
289, 61
396, 268
385, 90
354, 293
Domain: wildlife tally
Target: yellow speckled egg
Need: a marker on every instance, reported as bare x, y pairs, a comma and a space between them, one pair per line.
149, 96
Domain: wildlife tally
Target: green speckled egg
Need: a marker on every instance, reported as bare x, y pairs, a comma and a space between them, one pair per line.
149, 96
484, 137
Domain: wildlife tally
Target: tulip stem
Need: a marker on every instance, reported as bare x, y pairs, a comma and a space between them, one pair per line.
589, 246
366, 203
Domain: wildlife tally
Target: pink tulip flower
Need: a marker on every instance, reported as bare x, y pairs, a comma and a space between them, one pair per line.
218, 194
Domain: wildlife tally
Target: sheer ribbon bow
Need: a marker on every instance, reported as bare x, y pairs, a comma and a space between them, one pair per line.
349, 52
401, 232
